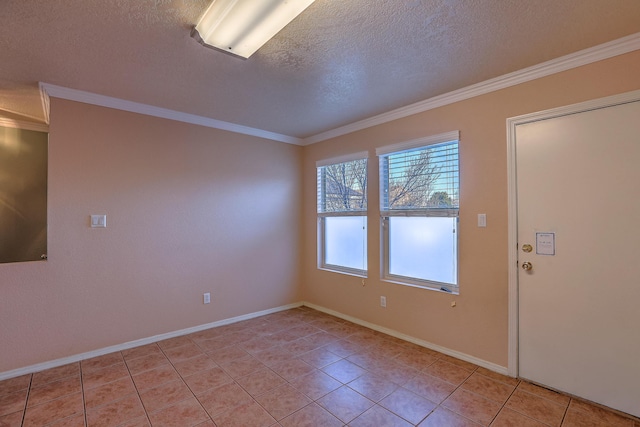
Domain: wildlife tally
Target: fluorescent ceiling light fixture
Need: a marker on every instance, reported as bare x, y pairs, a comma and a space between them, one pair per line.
242, 26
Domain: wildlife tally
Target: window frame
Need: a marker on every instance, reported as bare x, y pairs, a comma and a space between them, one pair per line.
385, 214
321, 218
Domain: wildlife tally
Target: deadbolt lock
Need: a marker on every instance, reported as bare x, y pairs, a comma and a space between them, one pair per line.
527, 248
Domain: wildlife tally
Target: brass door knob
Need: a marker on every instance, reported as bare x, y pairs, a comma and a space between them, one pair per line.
527, 266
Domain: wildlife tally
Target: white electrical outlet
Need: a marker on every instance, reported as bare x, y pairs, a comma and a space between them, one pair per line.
206, 298
383, 301
98, 221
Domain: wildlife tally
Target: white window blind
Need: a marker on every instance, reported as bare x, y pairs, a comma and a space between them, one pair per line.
342, 188
421, 181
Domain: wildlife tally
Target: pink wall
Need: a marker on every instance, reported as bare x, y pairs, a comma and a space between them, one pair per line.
193, 210
189, 210
478, 325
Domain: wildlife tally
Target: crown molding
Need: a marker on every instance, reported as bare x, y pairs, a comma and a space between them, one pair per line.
50, 90
583, 57
45, 101
20, 124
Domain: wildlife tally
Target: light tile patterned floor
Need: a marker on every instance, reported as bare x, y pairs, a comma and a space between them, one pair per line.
292, 369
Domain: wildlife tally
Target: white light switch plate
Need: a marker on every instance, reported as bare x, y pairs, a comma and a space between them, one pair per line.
482, 220
98, 221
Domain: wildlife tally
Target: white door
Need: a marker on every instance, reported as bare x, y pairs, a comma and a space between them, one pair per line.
578, 207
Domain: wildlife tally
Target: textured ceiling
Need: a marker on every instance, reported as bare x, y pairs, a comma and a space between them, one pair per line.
339, 62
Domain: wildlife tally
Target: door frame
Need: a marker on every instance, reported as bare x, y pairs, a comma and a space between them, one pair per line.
512, 123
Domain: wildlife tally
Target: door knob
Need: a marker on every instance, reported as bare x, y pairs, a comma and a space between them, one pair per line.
527, 266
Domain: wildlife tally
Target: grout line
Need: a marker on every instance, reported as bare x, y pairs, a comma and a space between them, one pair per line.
566, 411
181, 379
366, 348
504, 405
135, 386
84, 404
24, 412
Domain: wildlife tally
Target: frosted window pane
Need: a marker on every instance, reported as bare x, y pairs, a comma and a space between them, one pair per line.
346, 241
423, 248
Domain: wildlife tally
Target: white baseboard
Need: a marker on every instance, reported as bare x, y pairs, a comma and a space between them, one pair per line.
143, 341
136, 343
462, 356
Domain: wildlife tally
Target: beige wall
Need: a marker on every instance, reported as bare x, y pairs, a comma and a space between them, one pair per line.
193, 210
477, 326
189, 210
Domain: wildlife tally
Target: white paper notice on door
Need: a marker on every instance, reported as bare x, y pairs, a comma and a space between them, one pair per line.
545, 243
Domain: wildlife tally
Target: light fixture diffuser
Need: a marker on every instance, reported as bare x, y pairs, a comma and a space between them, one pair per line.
241, 27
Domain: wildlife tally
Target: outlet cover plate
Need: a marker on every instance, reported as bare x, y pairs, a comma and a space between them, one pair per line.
98, 221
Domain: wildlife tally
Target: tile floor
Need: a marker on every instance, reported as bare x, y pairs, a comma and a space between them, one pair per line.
294, 368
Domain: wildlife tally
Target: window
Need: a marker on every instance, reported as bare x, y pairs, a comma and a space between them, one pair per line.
419, 202
342, 214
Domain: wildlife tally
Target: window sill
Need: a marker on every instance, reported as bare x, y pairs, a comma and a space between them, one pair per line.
426, 285
343, 270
